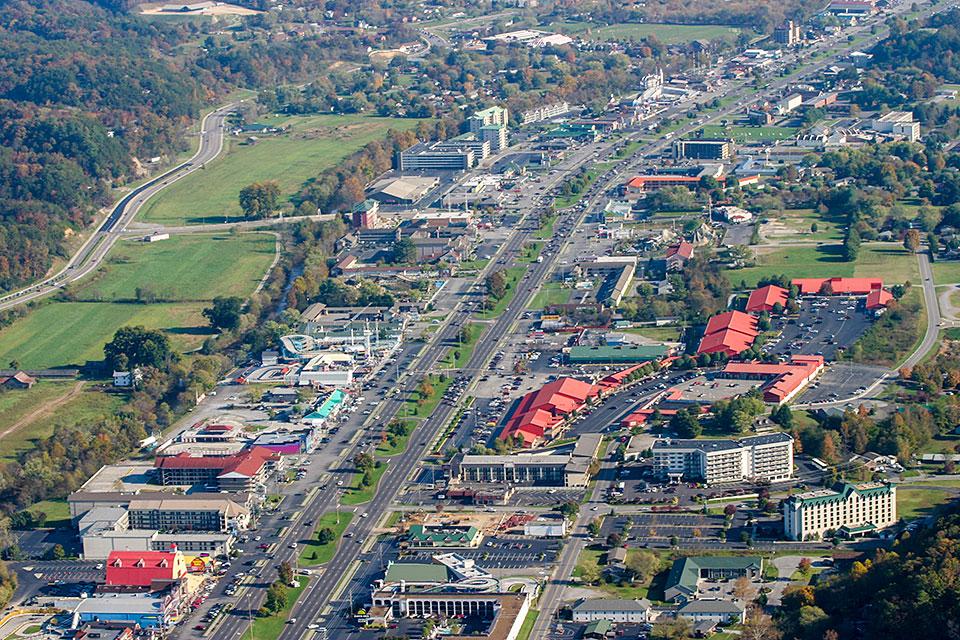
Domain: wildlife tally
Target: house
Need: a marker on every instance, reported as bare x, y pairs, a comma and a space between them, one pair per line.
598, 629
127, 379
617, 556
19, 380
677, 255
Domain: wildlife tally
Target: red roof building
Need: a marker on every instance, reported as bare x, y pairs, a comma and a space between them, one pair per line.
237, 472
144, 568
539, 413
766, 298
730, 332
878, 298
837, 286
784, 381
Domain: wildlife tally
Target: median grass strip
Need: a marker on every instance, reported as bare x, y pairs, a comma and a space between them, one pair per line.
316, 553
394, 445
512, 276
269, 627
527, 627
358, 494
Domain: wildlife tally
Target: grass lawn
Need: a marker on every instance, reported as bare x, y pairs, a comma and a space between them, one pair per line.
530, 252
385, 449
458, 355
946, 482
194, 267
58, 513
527, 625
513, 275
315, 553
893, 264
310, 145
917, 503
550, 293
473, 265
71, 333
545, 232
946, 272
594, 172
663, 334
749, 134
269, 627
357, 494
666, 33
32, 629
75, 408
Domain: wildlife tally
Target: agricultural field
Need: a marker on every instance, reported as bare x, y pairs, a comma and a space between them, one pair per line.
310, 145
191, 271
891, 262
666, 33
30, 414
744, 134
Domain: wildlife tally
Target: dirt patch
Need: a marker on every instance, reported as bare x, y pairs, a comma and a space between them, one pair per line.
44, 411
217, 9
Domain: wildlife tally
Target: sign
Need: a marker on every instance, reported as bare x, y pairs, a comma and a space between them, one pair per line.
197, 565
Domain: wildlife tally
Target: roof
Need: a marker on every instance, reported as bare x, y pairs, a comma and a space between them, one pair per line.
837, 286
685, 572
612, 604
726, 341
841, 493
416, 572
227, 507
730, 332
541, 410
711, 606
640, 181
878, 298
618, 554
598, 627
248, 462
442, 535
629, 353
734, 320
142, 568
764, 298
684, 250
785, 378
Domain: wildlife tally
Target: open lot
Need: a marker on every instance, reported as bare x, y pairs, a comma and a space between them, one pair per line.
188, 270
308, 146
30, 414
194, 267
891, 262
797, 225
666, 33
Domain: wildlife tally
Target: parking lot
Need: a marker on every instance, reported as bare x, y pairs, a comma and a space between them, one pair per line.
824, 325
503, 552
841, 380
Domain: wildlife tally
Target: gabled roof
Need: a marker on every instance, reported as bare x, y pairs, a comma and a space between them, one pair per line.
733, 320
878, 298
764, 298
612, 604
143, 568
684, 250
726, 341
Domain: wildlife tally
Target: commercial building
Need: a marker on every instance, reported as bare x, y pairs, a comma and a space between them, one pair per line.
144, 568
847, 510
421, 536
620, 354
730, 332
436, 156
878, 299
186, 513
898, 124
766, 457
145, 610
529, 469
789, 103
713, 611
544, 527
766, 298
703, 149
504, 611
837, 286
366, 214
240, 472
787, 34
783, 381
613, 609
639, 186
544, 112
490, 117
852, 8
683, 581
617, 273
403, 191
540, 415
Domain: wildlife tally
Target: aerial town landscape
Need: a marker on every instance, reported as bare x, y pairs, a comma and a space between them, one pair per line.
505, 320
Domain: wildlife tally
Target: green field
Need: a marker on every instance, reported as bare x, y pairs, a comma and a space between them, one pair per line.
893, 263
314, 553
917, 503
310, 145
58, 513
666, 33
946, 272
190, 268
72, 333
662, 334
83, 407
749, 134
550, 293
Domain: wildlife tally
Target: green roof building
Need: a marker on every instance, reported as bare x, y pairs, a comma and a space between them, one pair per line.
630, 354
416, 573
683, 582
598, 629
443, 537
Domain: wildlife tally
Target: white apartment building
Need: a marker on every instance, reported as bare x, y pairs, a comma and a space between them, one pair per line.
544, 112
612, 609
767, 457
848, 510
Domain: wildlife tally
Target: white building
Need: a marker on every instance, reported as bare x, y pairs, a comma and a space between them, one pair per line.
849, 510
766, 457
544, 112
718, 611
612, 609
899, 124
789, 103
546, 528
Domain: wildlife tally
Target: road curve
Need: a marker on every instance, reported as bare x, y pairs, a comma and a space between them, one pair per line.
89, 256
